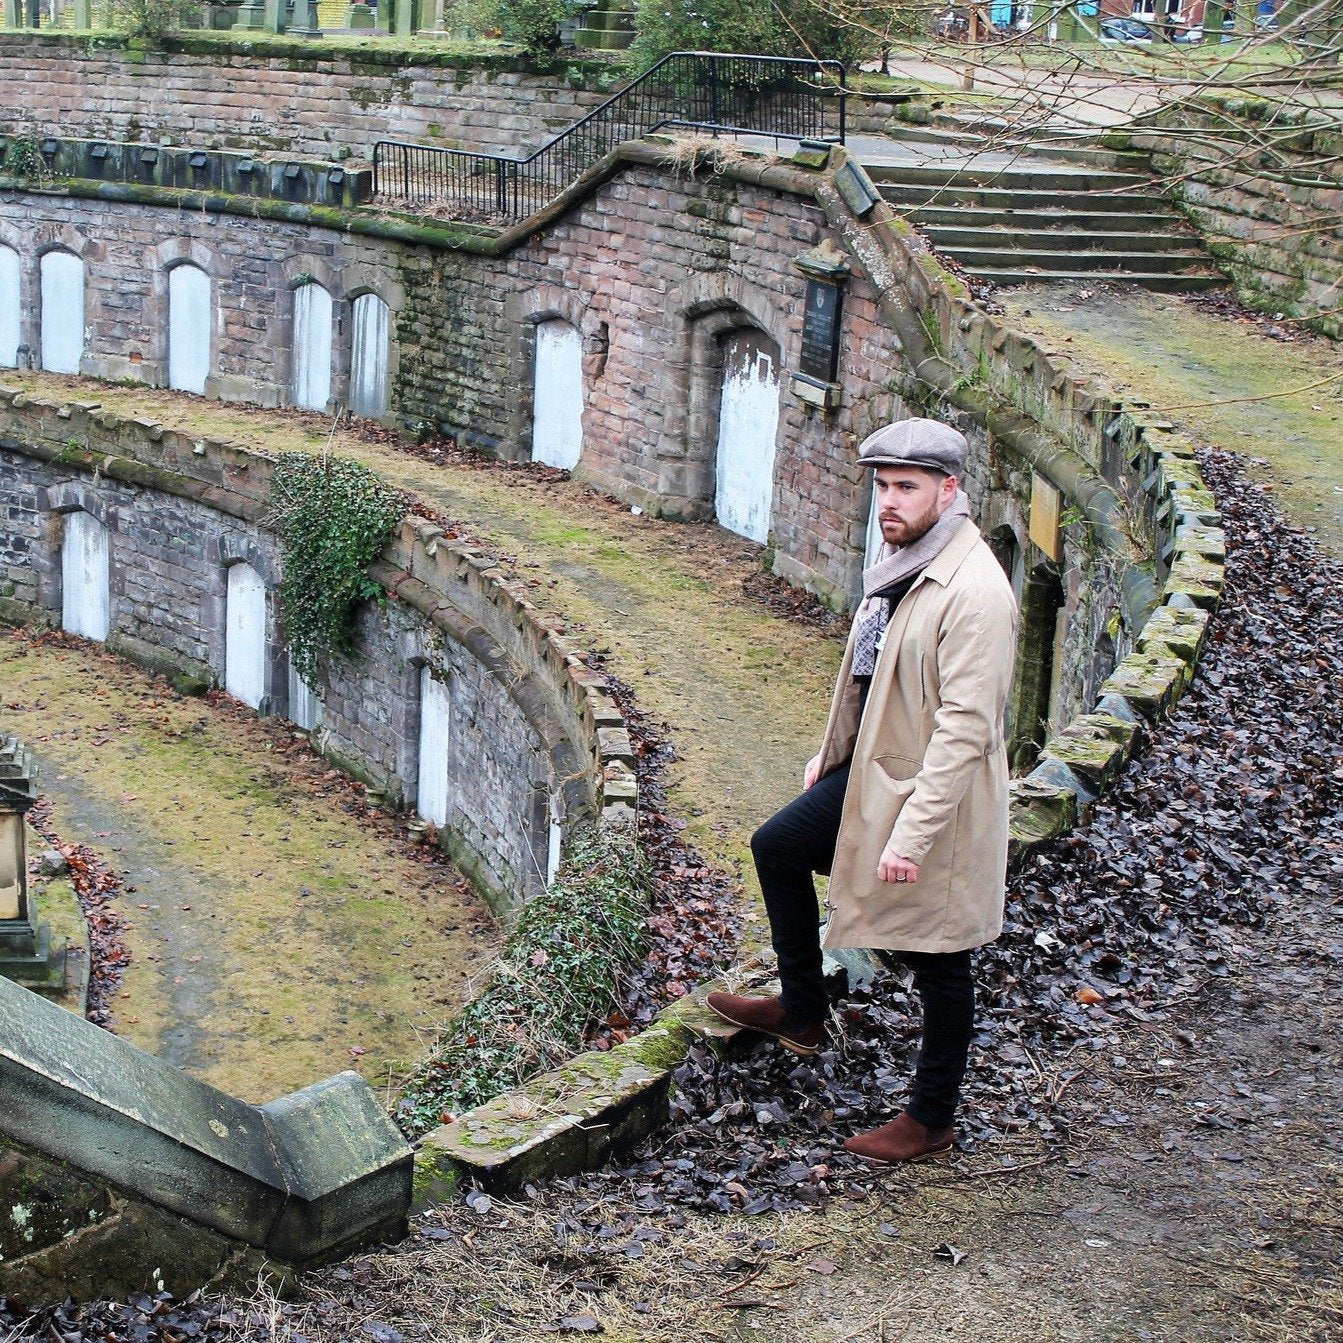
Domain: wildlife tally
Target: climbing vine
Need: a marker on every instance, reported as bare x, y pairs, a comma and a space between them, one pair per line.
559, 971
333, 517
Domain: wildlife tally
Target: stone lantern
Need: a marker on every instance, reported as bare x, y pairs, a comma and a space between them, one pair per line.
26, 952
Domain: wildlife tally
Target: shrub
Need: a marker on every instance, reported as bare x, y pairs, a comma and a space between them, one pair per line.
533, 24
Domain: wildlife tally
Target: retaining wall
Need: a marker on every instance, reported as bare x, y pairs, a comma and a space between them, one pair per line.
532, 727
319, 100
1262, 183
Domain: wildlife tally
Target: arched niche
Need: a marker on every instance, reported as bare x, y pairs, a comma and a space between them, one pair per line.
190, 328
245, 635
305, 703
61, 276
312, 347
1035, 695
557, 394
748, 424
86, 597
10, 308
371, 321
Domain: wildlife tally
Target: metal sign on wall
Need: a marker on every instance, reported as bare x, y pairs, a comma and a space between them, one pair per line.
820, 331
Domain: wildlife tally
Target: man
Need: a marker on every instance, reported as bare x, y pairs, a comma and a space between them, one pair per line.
905, 804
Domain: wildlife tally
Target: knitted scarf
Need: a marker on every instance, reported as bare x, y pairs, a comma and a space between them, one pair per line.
893, 564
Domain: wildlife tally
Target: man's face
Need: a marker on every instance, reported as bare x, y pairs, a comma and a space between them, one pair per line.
909, 500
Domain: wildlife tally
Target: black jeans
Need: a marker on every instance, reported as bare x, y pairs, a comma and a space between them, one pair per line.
800, 840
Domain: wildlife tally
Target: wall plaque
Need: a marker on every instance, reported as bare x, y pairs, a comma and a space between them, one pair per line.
820, 331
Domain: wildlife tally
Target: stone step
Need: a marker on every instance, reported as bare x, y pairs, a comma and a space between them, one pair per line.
1035, 177
1056, 145
1158, 281
1078, 259
1003, 199
1066, 232
931, 217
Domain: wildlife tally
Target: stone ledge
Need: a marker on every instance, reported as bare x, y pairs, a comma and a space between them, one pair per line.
573, 1118
300, 1180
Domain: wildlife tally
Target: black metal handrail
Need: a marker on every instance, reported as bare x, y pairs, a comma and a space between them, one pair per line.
738, 95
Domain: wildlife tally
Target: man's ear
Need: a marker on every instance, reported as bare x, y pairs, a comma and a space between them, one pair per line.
950, 484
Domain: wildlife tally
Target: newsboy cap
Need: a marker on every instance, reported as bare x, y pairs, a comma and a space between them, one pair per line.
927, 443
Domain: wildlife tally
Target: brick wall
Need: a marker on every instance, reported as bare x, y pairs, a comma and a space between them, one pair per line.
526, 711
652, 269
221, 94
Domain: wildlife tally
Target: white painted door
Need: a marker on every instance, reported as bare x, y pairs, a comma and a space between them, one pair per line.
368, 362
748, 421
245, 635
305, 704
557, 396
62, 312
312, 347
9, 307
431, 798
555, 843
85, 598
189, 321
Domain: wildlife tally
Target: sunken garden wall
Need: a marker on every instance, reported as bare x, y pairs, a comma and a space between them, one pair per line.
650, 269
1267, 198
266, 95
523, 753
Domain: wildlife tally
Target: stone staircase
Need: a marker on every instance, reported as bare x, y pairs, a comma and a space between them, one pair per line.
1019, 217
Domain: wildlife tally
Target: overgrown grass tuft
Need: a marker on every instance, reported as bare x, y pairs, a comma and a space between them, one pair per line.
560, 969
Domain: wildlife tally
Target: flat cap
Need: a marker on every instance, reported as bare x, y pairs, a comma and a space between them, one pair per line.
927, 443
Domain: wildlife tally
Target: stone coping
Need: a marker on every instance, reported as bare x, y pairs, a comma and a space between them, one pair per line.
462, 590
300, 1178
394, 51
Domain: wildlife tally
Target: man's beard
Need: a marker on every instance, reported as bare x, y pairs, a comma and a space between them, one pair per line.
912, 531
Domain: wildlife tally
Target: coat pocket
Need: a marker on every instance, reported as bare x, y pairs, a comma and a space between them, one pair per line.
898, 768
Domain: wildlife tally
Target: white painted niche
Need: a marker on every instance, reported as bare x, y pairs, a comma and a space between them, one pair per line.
368, 361
305, 704
312, 347
245, 635
557, 395
190, 318
554, 842
748, 422
62, 312
431, 794
85, 596
9, 307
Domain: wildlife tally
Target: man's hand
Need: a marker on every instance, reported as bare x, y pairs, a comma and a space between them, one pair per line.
894, 868
813, 769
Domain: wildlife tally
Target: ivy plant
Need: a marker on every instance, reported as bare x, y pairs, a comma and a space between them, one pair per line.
333, 518
560, 970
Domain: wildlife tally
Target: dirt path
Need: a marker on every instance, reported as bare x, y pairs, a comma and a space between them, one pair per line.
279, 933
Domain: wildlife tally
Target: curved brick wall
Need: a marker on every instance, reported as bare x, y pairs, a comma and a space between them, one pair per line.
530, 721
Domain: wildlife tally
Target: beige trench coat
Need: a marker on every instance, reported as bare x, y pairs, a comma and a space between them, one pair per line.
929, 776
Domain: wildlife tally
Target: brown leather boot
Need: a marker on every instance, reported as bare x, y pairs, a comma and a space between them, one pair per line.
903, 1139
767, 1016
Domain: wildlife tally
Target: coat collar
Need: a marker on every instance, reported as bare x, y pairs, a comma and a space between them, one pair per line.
945, 563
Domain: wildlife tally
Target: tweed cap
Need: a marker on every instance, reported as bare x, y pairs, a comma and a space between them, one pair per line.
927, 443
